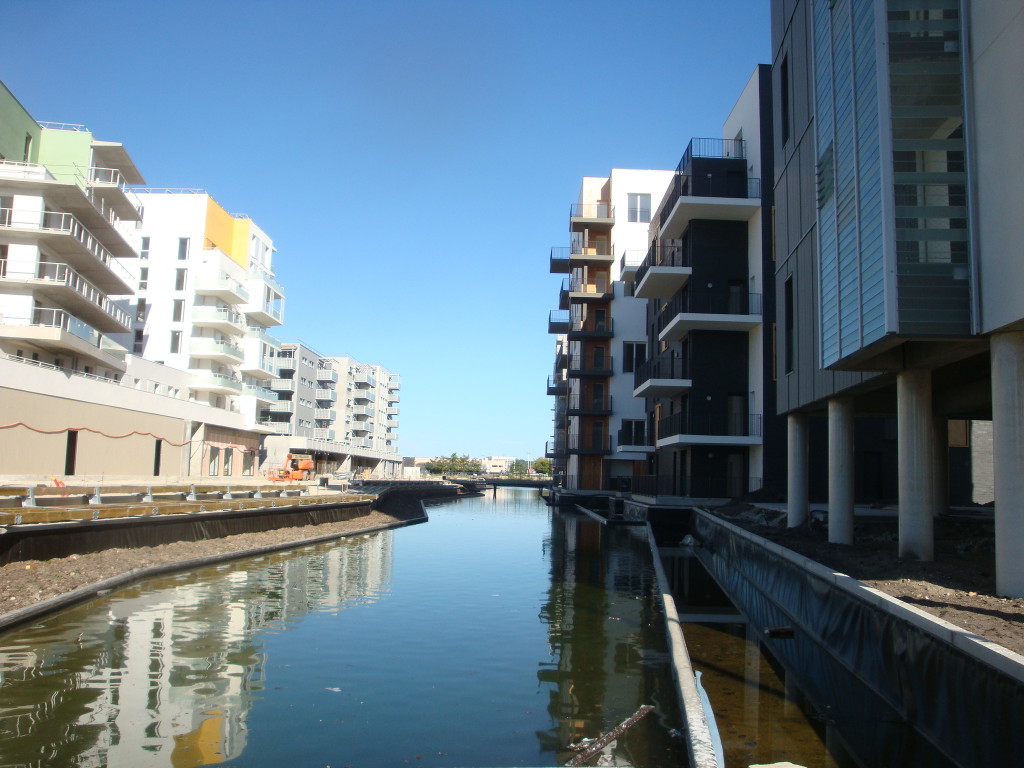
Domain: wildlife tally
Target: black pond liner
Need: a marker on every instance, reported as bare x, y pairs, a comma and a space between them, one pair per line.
902, 688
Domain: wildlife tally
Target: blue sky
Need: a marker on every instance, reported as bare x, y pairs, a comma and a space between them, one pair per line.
414, 162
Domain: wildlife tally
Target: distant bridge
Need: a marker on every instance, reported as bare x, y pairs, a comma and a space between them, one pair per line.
476, 483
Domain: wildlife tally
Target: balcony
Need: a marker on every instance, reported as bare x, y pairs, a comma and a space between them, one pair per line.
361, 428
590, 289
557, 386
558, 321
666, 375
65, 236
362, 396
327, 374
363, 411
588, 444
258, 366
221, 287
256, 332
591, 216
259, 278
262, 394
391, 423
266, 313
275, 427
680, 429
666, 269
213, 349
62, 285
61, 332
282, 385
279, 406
364, 379
217, 383
628, 263
325, 414
226, 320
590, 328
581, 366
286, 361
323, 434
111, 192
559, 260
563, 294
555, 449
708, 311
589, 405
633, 438
391, 411
728, 196
393, 397
327, 395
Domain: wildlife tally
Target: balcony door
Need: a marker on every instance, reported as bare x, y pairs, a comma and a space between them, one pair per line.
736, 406
597, 396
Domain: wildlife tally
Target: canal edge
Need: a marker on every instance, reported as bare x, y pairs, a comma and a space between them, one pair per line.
699, 743
52, 605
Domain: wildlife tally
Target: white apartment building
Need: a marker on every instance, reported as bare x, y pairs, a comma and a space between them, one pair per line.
342, 412
74, 401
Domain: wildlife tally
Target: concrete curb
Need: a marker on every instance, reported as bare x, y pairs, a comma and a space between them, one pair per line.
24, 615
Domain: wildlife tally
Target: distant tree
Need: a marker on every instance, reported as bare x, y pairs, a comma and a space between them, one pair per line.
542, 466
453, 465
518, 467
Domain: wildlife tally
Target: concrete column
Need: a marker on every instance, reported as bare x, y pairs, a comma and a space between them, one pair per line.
915, 465
1008, 459
840, 470
797, 473
940, 456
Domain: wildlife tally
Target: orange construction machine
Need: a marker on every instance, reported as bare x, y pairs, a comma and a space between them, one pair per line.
297, 466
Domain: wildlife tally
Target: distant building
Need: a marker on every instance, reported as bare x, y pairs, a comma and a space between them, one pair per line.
496, 465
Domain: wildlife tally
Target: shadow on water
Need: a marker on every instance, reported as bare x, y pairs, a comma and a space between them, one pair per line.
494, 635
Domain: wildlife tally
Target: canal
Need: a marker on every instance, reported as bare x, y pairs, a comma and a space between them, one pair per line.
494, 635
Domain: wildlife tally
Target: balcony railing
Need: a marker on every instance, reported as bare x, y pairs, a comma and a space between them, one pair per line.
221, 285
664, 255
326, 394
664, 366
58, 318
204, 347
15, 169
578, 284
704, 302
591, 211
555, 449
67, 224
709, 185
557, 386
219, 315
630, 260
209, 379
707, 424
590, 404
62, 274
588, 443
715, 485
580, 327
713, 148
580, 247
277, 427
261, 393
256, 332
635, 434
558, 321
594, 366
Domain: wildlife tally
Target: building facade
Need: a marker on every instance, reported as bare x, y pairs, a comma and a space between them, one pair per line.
600, 439
898, 249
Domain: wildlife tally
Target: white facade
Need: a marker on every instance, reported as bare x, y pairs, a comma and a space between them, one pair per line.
205, 299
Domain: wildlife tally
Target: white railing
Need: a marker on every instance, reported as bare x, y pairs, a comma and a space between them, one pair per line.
206, 379
68, 224
15, 169
221, 284
63, 126
202, 314
202, 347
54, 272
255, 332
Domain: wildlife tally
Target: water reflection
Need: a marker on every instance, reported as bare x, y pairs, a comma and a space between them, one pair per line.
167, 672
606, 634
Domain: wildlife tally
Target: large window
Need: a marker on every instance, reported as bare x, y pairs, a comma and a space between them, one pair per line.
639, 207
175, 342
182, 248
179, 280
214, 461
634, 353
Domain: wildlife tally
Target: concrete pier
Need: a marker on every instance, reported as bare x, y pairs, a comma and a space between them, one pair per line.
915, 464
840, 470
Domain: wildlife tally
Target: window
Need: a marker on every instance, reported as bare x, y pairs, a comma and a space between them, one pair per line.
143, 278
137, 346
178, 310
179, 280
28, 148
3, 261
787, 349
229, 455
140, 311
144, 248
175, 341
639, 207
182, 248
247, 463
784, 98
214, 461
634, 354
633, 432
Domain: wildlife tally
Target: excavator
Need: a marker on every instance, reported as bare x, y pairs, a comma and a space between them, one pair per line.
297, 466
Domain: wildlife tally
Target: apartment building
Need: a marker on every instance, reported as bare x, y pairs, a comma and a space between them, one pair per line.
75, 401
898, 241
707, 281
601, 438
341, 411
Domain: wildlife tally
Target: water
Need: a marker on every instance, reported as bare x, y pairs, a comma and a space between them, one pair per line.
494, 635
